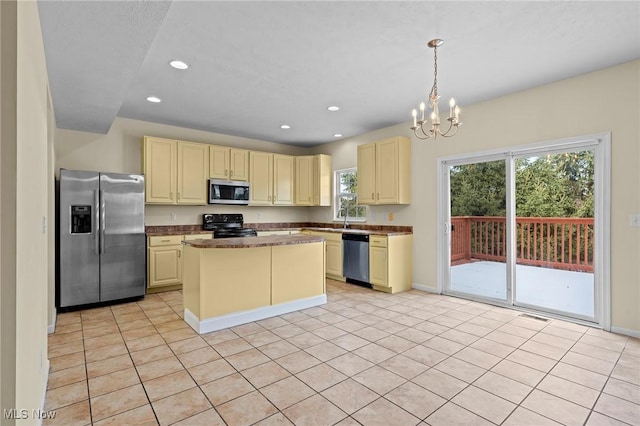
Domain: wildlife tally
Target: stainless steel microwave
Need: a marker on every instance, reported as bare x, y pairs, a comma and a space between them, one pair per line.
228, 192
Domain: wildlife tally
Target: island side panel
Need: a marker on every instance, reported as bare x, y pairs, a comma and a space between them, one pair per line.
191, 279
234, 280
298, 272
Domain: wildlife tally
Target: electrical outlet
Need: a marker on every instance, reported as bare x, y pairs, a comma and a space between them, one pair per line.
634, 220
173, 217
390, 216
44, 225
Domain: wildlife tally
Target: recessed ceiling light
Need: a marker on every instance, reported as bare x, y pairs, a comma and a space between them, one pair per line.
154, 99
178, 64
337, 135
285, 126
333, 108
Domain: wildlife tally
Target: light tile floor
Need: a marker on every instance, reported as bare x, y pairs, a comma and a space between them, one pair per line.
363, 358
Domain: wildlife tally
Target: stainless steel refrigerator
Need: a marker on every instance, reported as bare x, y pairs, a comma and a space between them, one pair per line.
101, 239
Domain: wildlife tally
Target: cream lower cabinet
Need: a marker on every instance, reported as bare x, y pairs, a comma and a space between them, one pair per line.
164, 259
333, 253
334, 258
390, 262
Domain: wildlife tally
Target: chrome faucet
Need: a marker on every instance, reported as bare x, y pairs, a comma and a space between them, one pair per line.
346, 214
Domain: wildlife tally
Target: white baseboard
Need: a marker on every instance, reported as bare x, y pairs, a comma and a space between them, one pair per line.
423, 287
626, 332
44, 391
52, 327
237, 318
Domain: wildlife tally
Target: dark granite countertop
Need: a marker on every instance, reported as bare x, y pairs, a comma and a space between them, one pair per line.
249, 242
287, 226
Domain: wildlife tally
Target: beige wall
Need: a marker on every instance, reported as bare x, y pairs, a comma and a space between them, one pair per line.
25, 198
603, 101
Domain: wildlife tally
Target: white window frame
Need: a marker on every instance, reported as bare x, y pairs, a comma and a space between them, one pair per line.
337, 216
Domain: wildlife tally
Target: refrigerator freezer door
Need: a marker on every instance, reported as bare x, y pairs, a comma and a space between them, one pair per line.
79, 267
122, 244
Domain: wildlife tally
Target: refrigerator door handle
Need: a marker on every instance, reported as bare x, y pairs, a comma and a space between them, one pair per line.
102, 220
96, 203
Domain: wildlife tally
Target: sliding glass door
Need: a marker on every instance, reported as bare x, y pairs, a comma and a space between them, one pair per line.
523, 228
554, 232
478, 229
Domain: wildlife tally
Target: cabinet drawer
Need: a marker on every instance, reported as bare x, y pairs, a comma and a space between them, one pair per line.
192, 237
378, 241
166, 240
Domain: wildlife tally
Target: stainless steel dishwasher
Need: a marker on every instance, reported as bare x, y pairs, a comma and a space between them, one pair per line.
355, 260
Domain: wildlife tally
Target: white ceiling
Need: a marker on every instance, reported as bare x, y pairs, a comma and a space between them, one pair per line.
257, 65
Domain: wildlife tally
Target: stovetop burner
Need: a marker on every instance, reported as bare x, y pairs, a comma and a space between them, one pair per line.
226, 225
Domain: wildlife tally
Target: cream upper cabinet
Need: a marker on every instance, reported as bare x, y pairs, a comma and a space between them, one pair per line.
239, 161
271, 179
175, 172
313, 180
304, 180
283, 178
160, 170
322, 178
384, 172
367, 174
228, 163
218, 162
193, 171
261, 178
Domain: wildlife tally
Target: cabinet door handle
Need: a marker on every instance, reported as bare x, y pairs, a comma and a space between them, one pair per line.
165, 241
225, 172
171, 195
231, 173
179, 253
373, 196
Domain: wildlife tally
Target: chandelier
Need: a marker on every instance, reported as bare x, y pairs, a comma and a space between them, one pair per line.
420, 127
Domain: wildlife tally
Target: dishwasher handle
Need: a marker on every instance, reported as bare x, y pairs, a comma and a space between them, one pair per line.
356, 237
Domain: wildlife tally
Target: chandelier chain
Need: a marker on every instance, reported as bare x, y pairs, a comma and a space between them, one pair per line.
434, 89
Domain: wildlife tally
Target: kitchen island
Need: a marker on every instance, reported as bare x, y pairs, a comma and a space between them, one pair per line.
234, 281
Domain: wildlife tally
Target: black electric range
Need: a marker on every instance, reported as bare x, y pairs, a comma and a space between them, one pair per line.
226, 225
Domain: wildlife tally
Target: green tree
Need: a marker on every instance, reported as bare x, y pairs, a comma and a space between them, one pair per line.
555, 185
478, 189
540, 192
